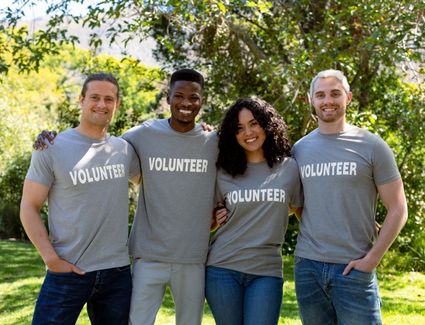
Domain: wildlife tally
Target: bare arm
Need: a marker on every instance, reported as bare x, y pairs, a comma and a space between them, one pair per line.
33, 197
394, 199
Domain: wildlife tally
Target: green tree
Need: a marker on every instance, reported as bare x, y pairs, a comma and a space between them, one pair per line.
48, 99
272, 49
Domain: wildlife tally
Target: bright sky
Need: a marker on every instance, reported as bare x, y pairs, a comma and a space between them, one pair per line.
141, 50
39, 8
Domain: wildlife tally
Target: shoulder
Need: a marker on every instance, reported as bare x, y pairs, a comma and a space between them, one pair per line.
65, 138
366, 137
117, 141
288, 163
305, 140
142, 128
210, 136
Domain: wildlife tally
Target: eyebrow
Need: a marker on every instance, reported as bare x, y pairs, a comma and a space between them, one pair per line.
332, 90
254, 119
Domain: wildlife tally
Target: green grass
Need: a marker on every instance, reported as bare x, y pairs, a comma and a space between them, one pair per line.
22, 272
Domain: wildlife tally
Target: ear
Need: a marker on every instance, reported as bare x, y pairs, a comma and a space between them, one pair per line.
81, 99
349, 97
168, 98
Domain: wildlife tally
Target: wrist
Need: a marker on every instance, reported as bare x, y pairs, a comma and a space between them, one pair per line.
373, 259
51, 259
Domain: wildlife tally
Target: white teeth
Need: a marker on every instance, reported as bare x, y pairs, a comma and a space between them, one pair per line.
250, 140
183, 111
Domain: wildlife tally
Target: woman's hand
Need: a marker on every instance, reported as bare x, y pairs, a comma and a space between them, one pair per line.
219, 216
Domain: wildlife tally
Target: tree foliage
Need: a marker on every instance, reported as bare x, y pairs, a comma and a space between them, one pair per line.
48, 99
271, 49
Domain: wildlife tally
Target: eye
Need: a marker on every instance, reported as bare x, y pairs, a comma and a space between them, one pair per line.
320, 95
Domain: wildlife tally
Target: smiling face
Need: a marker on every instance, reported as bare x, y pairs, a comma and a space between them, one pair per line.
99, 104
330, 101
185, 100
250, 136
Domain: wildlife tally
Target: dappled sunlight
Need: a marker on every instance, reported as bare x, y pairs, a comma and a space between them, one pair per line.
403, 294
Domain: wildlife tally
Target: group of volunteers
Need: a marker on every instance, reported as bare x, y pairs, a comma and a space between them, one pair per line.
212, 211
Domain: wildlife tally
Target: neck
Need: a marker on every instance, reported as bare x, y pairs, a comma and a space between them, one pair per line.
97, 133
180, 127
255, 157
332, 127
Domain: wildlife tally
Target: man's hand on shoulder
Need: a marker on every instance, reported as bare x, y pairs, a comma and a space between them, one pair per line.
40, 142
207, 127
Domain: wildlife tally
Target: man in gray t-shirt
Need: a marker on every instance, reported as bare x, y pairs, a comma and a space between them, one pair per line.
169, 236
84, 177
343, 169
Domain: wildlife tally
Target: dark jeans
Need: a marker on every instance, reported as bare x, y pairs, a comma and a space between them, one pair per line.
63, 295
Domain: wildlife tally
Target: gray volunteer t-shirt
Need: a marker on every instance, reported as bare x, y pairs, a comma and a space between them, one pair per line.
257, 202
88, 197
339, 173
176, 195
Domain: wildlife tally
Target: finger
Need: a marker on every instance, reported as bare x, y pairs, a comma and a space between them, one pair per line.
348, 268
221, 217
45, 134
51, 136
39, 143
220, 213
77, 270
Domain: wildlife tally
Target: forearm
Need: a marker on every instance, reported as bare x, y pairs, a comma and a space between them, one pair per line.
37, 233
394, 222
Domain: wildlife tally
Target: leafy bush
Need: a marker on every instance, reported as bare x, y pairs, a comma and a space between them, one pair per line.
11, 189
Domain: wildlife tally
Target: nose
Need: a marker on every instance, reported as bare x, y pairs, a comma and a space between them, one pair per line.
328, 99
101, 103
185, 102
248, 130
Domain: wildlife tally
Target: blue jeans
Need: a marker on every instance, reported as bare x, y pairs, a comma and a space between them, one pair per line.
325, 296
63, 295
237, 298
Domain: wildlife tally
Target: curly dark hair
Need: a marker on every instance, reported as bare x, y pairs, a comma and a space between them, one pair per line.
232, 157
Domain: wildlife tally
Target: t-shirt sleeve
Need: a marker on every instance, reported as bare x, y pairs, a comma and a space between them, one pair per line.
218, 196
135, 169
41, 170
385, 168
297, 197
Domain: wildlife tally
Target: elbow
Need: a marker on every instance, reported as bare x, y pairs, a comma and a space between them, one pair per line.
22, 211
404, 215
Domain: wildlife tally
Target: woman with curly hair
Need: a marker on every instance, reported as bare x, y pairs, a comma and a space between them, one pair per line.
257, 182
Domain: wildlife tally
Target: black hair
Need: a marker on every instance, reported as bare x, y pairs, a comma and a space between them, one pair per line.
101, 76
232, 157
187, 75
